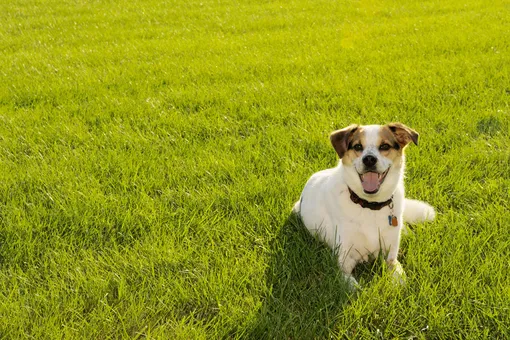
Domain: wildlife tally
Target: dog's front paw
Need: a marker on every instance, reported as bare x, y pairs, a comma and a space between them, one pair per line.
352, 283
397, 273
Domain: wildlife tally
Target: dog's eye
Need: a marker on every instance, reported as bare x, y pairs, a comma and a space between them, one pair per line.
358, 147
384, 147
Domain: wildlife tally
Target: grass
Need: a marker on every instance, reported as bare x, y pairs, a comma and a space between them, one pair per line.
151, 153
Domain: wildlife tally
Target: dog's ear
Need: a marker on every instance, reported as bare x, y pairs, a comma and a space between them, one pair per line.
403, 134
340, 139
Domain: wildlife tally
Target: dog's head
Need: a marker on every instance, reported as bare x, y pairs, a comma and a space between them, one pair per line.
373, 157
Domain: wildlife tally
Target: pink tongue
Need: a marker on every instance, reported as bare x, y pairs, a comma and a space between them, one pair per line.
370, 181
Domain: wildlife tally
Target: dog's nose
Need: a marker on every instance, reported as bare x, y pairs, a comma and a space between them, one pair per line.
369, 160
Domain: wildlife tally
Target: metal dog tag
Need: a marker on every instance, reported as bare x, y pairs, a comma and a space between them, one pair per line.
392, 220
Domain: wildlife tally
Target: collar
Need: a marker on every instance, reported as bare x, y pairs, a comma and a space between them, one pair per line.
370, 205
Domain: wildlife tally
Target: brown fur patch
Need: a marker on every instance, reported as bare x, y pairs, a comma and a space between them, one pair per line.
388, 137
350, 155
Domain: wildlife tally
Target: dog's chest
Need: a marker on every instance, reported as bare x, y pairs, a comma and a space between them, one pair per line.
369, 229
366, 231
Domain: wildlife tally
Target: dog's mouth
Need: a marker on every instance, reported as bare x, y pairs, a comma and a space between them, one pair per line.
371, 181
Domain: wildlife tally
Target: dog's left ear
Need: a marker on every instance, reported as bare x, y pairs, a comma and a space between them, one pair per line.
340, 139
403, 134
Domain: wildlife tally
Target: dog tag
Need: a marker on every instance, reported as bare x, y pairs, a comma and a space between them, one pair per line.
392, 220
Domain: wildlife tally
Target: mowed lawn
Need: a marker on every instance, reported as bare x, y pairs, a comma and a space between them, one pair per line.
151, 152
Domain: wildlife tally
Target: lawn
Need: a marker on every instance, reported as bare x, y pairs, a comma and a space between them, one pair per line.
151, 153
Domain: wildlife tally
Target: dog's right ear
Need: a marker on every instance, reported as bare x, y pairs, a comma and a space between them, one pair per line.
340, 139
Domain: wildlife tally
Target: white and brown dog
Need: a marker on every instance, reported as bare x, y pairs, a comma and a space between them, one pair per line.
359, 207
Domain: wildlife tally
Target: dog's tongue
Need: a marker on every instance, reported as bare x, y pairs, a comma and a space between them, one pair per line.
370, 181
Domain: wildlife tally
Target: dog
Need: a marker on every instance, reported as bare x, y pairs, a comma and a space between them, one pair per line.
358, 207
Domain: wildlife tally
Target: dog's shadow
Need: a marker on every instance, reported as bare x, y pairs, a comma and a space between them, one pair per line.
307, 291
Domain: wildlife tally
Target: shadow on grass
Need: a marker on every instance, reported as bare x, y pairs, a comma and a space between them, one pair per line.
307, 291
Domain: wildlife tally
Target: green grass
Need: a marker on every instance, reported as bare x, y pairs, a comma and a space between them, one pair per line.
151, 153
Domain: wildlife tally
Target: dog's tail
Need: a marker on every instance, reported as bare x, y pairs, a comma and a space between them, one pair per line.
417, 211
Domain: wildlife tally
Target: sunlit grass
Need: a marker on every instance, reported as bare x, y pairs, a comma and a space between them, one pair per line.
151, 153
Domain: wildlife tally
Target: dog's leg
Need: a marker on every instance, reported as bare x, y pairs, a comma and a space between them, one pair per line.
417, 211
394, 267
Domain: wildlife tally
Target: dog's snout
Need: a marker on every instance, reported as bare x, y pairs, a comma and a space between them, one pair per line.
369, 160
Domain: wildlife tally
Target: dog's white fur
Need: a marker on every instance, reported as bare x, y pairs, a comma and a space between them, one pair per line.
358, 233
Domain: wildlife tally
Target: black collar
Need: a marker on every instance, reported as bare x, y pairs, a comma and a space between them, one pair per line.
370, 205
